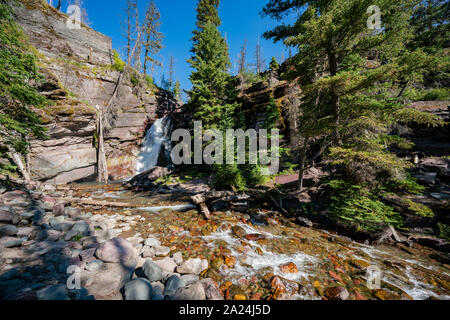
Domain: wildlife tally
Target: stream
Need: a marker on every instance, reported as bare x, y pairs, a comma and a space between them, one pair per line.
246, 251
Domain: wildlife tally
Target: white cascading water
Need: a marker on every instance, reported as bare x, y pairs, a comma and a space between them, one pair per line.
157, 136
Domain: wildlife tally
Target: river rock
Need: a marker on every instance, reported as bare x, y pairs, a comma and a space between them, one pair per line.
178, 258
152, 271
106, 283
336, 293
191, 292
6, 216
190, 278
172, 285
167, 264
304, 222
157, 291
10, 242
139, 289
284, 287
152, 242
193, 266
148, 252
238, 232
54, 292
59, 210
115, 250
74, 213
162, 251
212, 290
24, 232
94, 265
8, 230
10, 286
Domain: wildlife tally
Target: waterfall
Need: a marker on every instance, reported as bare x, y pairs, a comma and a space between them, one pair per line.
157, 137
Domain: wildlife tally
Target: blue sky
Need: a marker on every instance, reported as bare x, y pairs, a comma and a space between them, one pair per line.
241, 20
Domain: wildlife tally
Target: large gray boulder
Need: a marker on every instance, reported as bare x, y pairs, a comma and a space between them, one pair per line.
173, 284
152, 271
116, 250
193, 291
139, 289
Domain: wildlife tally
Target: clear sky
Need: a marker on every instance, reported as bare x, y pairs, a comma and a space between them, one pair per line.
241, 20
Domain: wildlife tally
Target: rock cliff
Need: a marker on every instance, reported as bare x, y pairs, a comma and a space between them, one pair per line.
79, 74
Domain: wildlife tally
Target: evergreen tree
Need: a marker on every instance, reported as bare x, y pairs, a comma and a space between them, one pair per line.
274, 66
18, 98
213, 91
348, 100
207, 10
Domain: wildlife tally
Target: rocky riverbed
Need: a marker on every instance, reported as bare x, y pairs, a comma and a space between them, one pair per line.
137, 246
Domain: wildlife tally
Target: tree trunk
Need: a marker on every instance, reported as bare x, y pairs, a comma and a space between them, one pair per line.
101, 158
335, 101
19, 163
302, 165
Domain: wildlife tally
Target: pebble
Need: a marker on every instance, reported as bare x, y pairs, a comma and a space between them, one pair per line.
8, 230
162, 251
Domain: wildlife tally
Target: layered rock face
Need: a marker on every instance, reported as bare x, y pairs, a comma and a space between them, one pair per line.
77, 65
256, 98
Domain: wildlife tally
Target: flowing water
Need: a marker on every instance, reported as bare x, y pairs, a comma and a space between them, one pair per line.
157, 137
243, 265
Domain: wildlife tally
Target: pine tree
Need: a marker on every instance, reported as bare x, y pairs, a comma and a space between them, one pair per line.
207, 10
213, 90
348, 100
152, 39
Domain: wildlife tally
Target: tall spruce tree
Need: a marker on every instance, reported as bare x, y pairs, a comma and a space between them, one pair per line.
350, 76
212, 95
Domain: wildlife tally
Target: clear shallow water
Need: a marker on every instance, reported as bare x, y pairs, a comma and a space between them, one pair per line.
322, 260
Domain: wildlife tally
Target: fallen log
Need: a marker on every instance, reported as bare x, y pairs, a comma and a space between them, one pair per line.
97, 203
200, 200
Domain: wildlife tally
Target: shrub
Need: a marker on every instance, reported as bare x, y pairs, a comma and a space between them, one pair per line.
118, 65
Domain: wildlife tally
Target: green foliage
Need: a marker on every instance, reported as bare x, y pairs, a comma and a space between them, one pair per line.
213, 91
118, 65
438, 94
230, 176
356, 205
418, 208
444, 231
274, 66
431, 23
272, 113
406, 185
17, 95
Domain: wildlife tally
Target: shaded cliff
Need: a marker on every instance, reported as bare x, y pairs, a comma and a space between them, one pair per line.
79, 70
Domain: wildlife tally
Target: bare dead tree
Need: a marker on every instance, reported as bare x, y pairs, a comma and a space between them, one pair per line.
242, 62
152, 39
128, 25
171, 71
260, 62
84, 15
